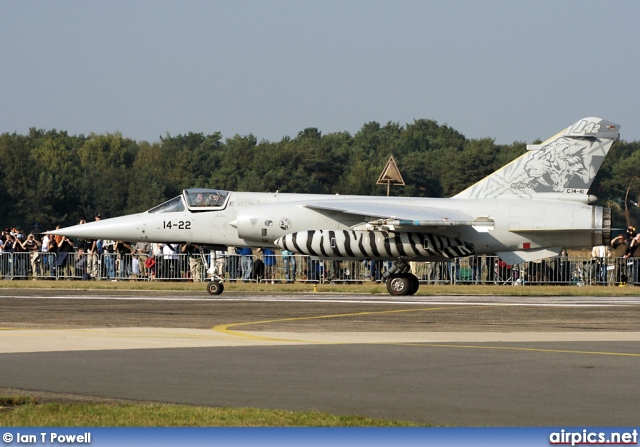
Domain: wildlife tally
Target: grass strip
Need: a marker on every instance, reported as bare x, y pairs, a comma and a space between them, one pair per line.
24, 411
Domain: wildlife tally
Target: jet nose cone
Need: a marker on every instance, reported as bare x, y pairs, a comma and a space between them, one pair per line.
125, 228
278, 242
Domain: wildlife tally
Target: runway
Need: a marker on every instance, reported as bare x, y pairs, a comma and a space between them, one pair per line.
466, 361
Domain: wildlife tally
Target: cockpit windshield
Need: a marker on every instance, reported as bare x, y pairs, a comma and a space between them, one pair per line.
206, 199
196, 199
174, 205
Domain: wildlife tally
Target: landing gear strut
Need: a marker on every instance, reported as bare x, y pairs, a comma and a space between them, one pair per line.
215, 286
399, 279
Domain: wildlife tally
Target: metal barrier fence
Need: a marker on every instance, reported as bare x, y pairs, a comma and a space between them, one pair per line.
278, 268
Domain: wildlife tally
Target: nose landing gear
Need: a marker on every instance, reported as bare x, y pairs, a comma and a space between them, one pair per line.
215, 287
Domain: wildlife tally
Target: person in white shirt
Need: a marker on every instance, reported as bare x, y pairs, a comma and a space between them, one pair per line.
600, 255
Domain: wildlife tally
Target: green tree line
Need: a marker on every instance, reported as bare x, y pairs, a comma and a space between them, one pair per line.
51, 177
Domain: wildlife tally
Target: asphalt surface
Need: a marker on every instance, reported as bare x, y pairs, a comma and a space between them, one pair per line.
463, 361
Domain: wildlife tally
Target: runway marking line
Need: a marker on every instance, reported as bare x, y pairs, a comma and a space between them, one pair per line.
224, 329
509, 348
115, 333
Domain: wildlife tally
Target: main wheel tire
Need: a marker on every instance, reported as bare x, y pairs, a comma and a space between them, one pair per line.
414, 283
215, 288
399, 285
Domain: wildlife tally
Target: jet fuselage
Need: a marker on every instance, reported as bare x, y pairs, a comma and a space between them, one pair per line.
258, 219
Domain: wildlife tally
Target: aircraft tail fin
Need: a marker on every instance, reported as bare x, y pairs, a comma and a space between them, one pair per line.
561, 168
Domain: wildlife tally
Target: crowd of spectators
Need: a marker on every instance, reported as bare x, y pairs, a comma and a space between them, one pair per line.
614, 263
37, 255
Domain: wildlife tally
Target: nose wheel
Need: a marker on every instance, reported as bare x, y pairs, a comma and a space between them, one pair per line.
215, 288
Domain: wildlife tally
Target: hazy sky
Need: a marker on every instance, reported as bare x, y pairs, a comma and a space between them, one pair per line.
508, 70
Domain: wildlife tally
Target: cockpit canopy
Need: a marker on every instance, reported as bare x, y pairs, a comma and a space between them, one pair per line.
205, 199
196, 199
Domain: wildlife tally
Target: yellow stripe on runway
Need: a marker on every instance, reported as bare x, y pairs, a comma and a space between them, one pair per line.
512, 348
224, 328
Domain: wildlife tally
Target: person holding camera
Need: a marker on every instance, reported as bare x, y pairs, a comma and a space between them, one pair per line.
19, 257
65, 248
32, 245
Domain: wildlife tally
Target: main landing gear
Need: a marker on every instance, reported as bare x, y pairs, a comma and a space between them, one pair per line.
402, 284
399, 279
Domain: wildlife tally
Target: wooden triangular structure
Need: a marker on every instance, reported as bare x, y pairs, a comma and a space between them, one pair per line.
390, 175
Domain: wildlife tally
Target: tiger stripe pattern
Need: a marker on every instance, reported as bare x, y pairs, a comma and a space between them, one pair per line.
358, 244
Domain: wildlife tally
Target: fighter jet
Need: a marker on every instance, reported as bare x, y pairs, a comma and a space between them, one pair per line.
529, 209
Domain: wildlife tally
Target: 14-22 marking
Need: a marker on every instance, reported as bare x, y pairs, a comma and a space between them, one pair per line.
180, 225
